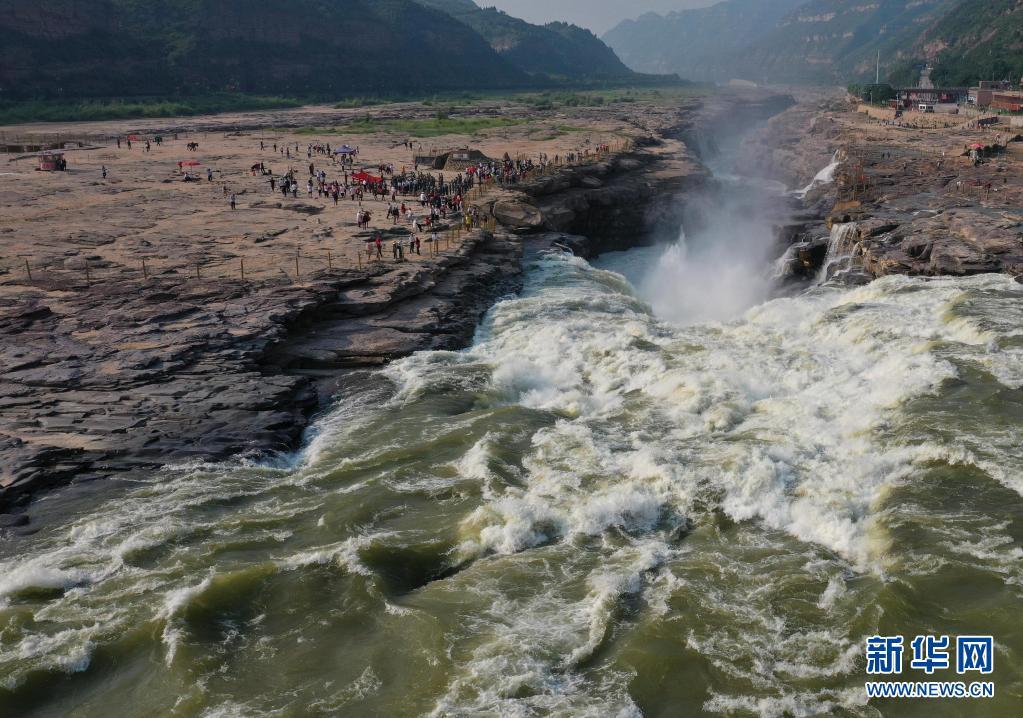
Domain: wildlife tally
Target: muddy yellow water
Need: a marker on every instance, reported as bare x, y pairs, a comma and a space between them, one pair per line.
598, 509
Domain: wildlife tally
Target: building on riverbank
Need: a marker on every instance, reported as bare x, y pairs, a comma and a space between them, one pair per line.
455, 160
1008, 101
912, 96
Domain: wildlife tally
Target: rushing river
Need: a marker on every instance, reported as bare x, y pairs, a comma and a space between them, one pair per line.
629, 497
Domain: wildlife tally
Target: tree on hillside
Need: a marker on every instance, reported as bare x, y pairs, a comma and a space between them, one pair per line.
876, 93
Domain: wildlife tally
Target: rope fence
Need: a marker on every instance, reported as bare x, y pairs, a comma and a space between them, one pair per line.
297, 267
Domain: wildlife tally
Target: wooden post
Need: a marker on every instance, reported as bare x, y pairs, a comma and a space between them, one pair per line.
242, 260
330, 264
88, 279
197, 270
145, 271
298, 275
359, 255
28, 269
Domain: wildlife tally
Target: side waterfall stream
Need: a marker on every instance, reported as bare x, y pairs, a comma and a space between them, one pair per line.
645, 490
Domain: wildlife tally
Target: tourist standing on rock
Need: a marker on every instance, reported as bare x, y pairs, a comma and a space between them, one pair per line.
233, 200
273, 184
104, 171
380, 246
118, 143
209, 174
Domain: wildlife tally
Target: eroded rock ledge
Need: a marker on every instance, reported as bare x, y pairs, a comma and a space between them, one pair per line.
908, 200
102, 380
126, 375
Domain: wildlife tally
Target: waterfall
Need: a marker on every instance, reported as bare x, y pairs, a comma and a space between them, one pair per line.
825, 176
783, 265
718, 271
839, 249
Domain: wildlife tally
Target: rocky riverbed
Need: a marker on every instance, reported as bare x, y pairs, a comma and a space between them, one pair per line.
123, 374
123, 367
900, 199
117, 365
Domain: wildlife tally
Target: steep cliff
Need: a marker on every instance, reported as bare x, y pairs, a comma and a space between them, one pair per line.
978, 40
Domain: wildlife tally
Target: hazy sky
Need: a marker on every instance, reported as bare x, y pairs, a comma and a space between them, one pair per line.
598, 15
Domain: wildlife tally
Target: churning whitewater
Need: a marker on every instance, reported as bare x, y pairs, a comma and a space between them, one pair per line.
598, 509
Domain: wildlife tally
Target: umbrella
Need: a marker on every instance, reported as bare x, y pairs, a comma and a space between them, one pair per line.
189, 163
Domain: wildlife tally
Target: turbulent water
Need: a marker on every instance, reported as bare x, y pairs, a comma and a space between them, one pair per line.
629, 497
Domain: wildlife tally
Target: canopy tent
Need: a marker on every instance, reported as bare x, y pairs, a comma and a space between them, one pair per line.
366, 177
344, 150
189, 163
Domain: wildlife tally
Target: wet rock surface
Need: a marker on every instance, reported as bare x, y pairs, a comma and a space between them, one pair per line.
99, 379
916, 201
612, 203
127, 375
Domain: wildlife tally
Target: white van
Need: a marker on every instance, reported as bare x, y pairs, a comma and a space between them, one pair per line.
926, 108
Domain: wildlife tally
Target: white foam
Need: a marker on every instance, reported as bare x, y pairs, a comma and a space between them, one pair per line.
788, 402
174, 602
824, 177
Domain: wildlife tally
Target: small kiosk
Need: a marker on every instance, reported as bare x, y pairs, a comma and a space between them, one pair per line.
52, 161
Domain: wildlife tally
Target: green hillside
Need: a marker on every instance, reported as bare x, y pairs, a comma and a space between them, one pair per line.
783, 41
556, 50
705, 44
69, 49
978, 40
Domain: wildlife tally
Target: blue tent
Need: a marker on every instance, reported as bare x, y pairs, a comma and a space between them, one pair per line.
344, 150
